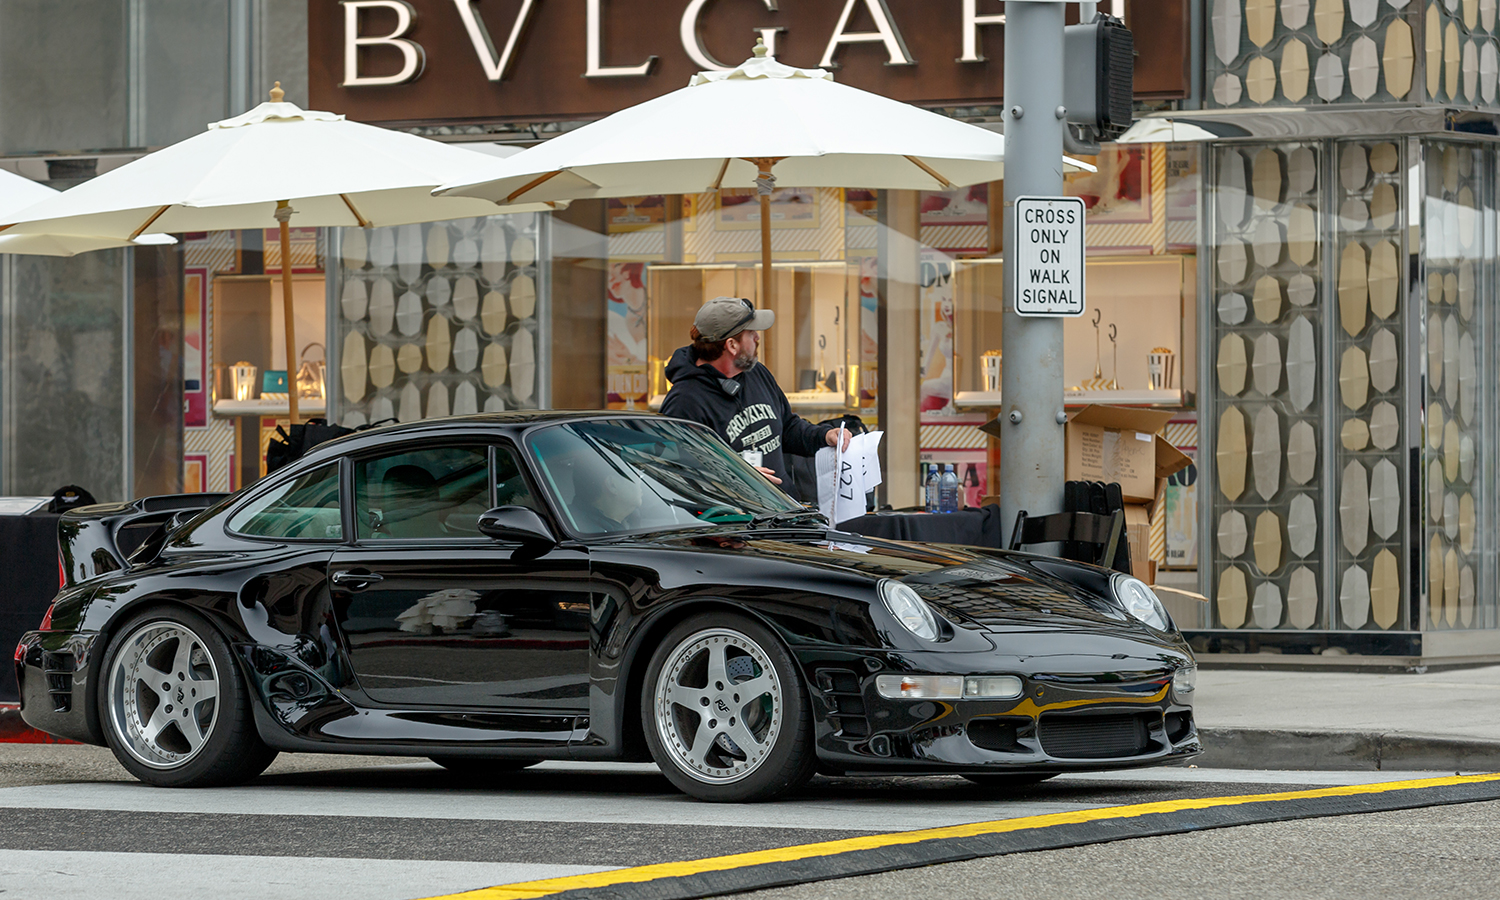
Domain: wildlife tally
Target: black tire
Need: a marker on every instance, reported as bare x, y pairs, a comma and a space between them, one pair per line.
1010, 782
481, 766
775, 722
197, 740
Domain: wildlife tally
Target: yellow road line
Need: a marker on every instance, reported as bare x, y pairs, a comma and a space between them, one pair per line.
529, 890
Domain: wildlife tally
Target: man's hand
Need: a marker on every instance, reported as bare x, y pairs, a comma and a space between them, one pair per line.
835, 433
769, 473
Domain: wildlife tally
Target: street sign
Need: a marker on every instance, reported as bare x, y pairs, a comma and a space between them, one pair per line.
1048, 268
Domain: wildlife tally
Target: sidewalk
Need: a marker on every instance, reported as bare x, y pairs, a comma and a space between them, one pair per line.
1254, 719
1276, 719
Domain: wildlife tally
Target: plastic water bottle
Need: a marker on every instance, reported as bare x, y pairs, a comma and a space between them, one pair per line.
948, 490
932, 487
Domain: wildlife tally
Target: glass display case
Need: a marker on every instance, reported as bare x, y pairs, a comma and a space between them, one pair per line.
1129, 348
247, 327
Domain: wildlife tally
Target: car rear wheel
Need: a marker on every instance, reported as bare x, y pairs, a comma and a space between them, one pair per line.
725, 713
174, 708
480, 766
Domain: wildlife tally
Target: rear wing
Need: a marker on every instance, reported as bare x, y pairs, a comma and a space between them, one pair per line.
110, 537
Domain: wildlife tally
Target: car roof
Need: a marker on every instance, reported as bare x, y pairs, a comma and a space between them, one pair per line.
510, 423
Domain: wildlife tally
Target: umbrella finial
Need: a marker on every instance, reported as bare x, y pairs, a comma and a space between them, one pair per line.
761, 49
277, 93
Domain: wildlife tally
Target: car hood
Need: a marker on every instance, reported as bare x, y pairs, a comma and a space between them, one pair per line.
1000, 591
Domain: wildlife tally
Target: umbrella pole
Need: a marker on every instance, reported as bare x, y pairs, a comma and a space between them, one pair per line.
765, 183
765, 250
284, 216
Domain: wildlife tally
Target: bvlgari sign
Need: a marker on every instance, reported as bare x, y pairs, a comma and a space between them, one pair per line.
535, 60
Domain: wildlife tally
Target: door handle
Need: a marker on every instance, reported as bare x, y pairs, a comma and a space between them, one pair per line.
356, 580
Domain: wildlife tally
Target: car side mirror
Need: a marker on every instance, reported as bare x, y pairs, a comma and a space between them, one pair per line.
519, 524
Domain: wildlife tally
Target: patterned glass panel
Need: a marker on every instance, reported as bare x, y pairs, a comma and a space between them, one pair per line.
1266, 403
1370, 359
438, 319
1456, 400
1312, 52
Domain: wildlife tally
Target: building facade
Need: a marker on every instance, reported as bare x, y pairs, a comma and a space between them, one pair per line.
1314, 283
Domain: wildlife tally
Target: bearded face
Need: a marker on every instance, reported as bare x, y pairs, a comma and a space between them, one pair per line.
749, 355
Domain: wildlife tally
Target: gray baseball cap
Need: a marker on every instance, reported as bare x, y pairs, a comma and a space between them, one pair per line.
725, 317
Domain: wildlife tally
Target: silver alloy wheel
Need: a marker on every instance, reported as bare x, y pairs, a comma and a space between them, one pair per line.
163, 694
718, 706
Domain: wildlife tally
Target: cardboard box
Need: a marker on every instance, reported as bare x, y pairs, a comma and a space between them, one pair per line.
1119, 444
1122, 444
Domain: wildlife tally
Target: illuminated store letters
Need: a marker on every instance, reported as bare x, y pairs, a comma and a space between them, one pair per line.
414, 58
595, 51
495, 69
885, 33
692, 36
972, 21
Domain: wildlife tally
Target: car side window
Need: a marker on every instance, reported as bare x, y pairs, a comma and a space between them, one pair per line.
511, 486
433, 492
306, 507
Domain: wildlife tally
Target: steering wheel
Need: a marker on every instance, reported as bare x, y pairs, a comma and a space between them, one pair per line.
719, 512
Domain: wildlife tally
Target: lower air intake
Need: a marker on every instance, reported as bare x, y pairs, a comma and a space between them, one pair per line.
1096, 737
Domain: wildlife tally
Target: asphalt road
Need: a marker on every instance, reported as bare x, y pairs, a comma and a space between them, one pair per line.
391, 829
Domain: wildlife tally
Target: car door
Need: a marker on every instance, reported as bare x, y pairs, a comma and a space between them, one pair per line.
436, 614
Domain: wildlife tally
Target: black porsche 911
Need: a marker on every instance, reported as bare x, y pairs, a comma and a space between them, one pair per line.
493, 591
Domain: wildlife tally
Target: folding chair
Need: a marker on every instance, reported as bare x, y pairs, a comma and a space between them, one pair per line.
1086, 537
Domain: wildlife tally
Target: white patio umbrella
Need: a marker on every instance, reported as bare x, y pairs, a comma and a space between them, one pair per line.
260, 169
1167, 130
748, 127
18, 193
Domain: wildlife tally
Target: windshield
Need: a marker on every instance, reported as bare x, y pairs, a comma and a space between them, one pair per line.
624, 475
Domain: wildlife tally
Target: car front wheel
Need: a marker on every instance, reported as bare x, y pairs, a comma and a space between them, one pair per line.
725, 713
174, 707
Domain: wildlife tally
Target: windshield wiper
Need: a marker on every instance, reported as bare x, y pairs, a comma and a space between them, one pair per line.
790, 517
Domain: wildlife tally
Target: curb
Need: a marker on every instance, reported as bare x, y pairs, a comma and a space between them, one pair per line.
1368, 751
14, 730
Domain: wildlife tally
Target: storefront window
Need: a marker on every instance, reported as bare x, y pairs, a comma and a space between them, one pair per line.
438, 319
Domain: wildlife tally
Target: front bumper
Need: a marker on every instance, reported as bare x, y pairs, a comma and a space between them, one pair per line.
1073, 722
53, 671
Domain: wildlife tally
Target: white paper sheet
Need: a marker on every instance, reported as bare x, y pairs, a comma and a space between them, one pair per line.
845, 476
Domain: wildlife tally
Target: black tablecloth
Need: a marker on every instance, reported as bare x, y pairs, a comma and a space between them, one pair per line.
976, 527
28, 559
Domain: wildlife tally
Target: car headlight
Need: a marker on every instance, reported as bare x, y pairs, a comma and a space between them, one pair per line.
1140, 601
909, 609
1184, 680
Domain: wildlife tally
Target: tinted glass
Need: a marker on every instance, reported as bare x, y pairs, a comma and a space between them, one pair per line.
305, 507
512, 488
429, 493
624, 475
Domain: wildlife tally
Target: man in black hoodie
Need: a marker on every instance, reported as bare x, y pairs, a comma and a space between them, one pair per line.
718, 381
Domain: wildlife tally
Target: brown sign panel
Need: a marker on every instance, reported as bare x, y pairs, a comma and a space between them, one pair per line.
540, 60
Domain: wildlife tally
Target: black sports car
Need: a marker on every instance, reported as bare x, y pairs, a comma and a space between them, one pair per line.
492, 591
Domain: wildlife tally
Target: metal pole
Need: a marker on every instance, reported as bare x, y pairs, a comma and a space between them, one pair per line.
1031, 443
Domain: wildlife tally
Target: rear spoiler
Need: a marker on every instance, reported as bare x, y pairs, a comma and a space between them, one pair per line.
110, 537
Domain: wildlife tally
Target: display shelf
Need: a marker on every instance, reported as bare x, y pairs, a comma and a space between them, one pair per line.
991, 399
797, 399
230, 408
817, 399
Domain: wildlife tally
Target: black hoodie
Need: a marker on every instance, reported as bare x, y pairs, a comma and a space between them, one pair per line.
749, 411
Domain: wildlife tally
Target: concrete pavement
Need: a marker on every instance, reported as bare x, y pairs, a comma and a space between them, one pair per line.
1279, 719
